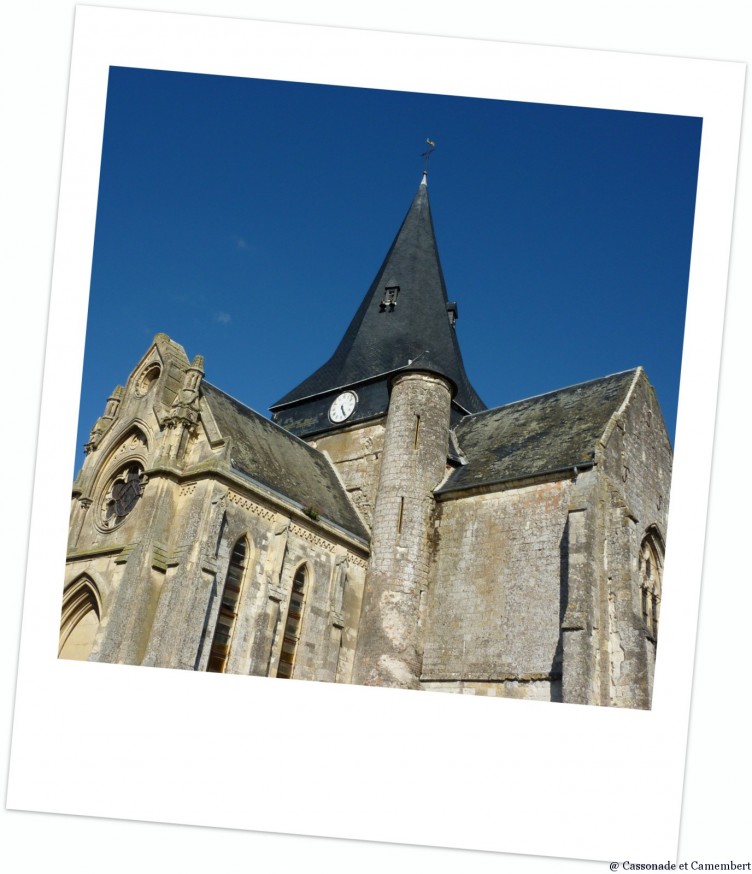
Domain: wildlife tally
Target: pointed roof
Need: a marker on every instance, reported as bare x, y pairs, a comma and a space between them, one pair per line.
416, 333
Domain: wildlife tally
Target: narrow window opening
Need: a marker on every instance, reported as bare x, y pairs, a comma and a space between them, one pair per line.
228, 610
417, 430
293, 625
650, 585
399, 515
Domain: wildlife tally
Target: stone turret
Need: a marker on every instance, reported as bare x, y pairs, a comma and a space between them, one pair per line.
381, 408
389, 651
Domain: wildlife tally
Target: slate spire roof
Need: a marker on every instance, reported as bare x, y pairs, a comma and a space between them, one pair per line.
404, 321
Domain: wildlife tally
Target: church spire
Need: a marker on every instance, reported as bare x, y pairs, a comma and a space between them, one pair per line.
405, 322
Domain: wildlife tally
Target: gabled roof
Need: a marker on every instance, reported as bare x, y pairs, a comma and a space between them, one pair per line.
281, 462
382, 339
551, 432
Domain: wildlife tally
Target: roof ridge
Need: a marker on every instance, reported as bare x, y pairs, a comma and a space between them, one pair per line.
613, 419
552, 392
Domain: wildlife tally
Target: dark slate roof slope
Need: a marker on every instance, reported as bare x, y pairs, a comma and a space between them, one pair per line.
282, 462
380, 339
540, 435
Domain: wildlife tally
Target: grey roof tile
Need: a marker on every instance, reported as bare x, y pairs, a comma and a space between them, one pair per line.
282, 462
539, 435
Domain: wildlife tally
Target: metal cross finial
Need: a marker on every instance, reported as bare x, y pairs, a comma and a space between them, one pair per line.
427, 154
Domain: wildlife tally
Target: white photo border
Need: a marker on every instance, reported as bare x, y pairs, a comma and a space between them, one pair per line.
438, 770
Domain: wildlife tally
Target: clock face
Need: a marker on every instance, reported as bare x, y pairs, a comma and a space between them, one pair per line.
342, 406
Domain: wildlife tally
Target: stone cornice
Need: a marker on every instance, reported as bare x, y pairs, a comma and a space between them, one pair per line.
270, 502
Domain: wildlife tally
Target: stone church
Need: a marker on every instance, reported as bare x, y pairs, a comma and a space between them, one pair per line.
383, 528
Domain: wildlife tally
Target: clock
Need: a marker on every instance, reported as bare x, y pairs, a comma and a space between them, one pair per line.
342, 406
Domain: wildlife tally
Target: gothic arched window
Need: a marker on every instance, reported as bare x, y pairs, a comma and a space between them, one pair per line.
293, 624
228, 608
651, 561
79, 621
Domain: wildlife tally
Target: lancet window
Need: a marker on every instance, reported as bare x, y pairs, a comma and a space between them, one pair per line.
293, 624
228, 608
650, 584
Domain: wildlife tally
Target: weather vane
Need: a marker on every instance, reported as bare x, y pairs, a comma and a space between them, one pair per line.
427, 154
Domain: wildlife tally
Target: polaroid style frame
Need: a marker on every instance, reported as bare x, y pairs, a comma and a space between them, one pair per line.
438, 770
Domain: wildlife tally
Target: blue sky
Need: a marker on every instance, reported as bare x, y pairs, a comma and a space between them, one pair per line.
247, 219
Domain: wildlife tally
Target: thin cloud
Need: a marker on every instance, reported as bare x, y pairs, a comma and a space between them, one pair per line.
222, 317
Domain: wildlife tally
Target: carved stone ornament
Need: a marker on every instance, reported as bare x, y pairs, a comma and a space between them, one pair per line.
148, 376
135, 442
122, 495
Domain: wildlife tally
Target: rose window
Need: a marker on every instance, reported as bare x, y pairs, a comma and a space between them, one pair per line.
122, 495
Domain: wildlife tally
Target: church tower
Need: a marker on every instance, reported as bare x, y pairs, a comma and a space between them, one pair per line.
414, 462
405, 323
405, 320
382, 408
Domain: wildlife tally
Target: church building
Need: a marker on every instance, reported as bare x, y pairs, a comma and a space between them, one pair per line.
384, 527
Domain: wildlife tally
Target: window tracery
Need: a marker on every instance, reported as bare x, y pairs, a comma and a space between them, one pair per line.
121, 495
147, 378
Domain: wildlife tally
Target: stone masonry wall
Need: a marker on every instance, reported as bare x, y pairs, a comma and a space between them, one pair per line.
159, 569
356, 454
494, 606
527, 690
638, 457
636, 465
